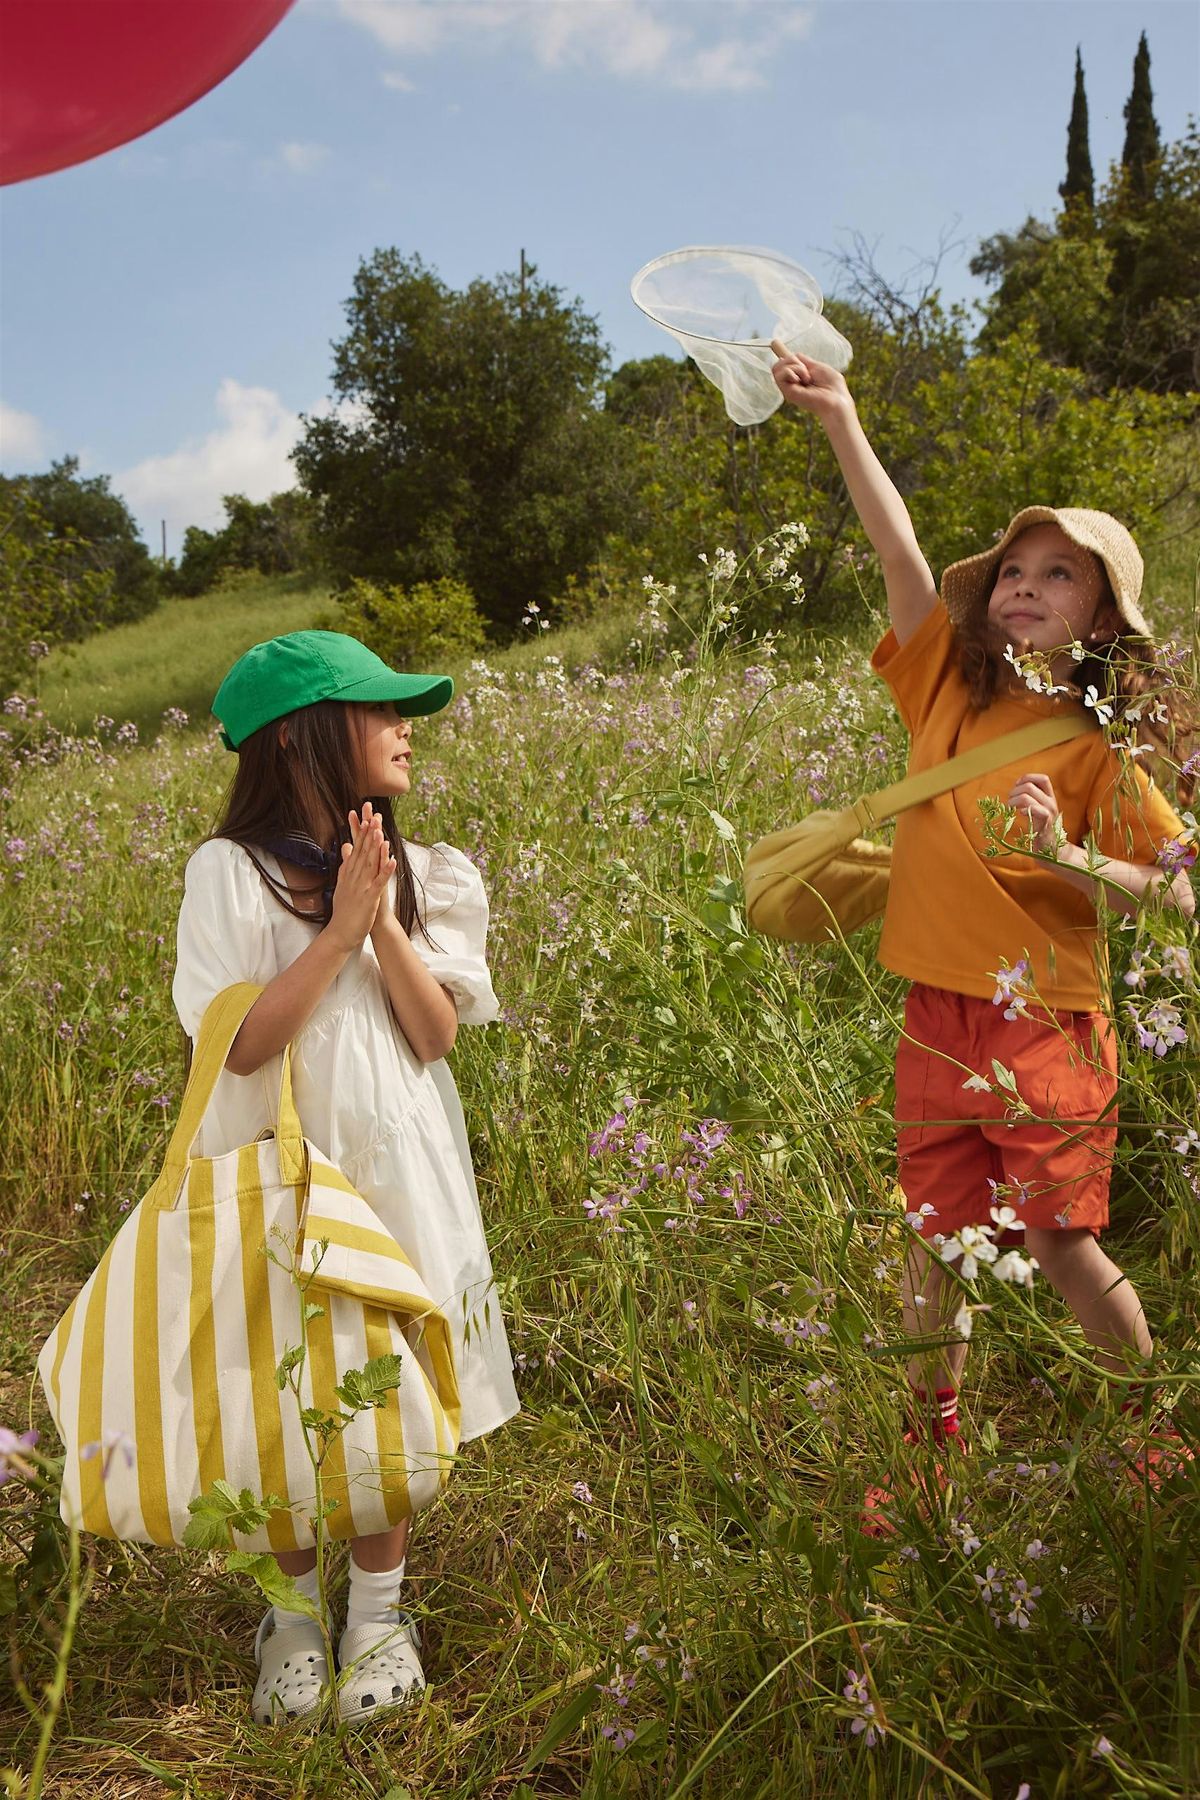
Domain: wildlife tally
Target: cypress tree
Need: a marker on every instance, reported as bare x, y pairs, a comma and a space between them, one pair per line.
1142, 147
1079, 185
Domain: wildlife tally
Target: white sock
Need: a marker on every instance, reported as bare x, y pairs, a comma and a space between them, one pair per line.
374, 1597
307, 1584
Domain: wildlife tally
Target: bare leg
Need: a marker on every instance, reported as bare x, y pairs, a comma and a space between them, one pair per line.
383, 1550
926, 1280
1103, 1299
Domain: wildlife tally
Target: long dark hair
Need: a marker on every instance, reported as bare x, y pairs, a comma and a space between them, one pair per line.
305, 788
1122, 670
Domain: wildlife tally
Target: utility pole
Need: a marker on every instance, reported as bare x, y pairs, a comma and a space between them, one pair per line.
164, 543
524, 272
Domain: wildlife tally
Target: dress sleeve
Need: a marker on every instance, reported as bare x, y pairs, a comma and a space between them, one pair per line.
223, 934
453, 907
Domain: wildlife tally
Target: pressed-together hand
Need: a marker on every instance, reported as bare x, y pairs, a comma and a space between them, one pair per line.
1034, 795
362, 881
813, 386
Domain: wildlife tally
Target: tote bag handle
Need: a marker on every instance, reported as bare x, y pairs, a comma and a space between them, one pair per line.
222, 1021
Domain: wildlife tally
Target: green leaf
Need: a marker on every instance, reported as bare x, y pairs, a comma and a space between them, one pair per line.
222, 1511
567, 1719
280, 1589
371, 1385
292, 1358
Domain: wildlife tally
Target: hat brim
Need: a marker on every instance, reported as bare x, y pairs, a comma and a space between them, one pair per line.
967, 585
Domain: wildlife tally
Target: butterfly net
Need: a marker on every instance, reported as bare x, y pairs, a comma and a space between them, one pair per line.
724, 305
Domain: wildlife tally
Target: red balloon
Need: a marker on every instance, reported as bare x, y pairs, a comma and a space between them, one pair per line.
78, 77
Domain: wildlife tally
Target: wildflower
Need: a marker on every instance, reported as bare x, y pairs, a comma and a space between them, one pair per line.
37, 650
582, 1492
1159, 1028
606, 1211
910, 1553
1176, 854
1035, 1549
974, 1244
11, 1460
1140, 966
14, 849
1012, 988
127, 733
970, 1543
1024, 1599
1012, 1266
976, 1084
1103, 709
990, 1584
1177, 962
107, 1447
619, 1736
916, 1220
1100, 1748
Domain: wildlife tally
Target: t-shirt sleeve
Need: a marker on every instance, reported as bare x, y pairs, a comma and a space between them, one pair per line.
1130, 818
916, 669
223, 934
454, 909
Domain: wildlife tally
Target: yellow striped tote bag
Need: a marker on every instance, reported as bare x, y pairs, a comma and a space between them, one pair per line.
162, 1374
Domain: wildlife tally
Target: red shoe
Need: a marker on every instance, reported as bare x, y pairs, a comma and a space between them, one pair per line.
874, 1521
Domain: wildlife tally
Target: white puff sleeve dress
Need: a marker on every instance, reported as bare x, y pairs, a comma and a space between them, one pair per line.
392, 1124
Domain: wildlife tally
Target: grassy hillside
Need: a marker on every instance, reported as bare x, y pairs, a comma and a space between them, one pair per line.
175, 656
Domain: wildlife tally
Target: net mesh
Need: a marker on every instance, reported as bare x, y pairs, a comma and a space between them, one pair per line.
723, 305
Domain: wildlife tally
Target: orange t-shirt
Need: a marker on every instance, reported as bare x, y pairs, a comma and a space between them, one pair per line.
954, 915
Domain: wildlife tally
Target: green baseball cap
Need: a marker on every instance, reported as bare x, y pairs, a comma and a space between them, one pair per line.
286, 673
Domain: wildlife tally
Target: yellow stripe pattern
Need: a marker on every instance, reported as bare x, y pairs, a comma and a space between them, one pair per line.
162, 1373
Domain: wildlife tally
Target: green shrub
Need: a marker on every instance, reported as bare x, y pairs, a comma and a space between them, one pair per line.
431, 622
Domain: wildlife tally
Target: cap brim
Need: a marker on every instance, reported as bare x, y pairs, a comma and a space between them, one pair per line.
415, 695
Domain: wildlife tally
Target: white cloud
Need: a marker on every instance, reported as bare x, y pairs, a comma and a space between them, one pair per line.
402, 85
302, 159
246, 453
689, 47
22, 439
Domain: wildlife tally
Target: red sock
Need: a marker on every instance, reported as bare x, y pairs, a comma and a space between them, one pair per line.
939, 1416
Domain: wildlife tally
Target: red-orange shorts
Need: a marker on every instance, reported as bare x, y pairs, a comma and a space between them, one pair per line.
964, 1149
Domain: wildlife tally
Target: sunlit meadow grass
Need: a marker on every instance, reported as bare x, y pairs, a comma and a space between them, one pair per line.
652, 1582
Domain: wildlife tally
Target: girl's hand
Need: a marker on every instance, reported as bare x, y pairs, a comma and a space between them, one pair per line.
812, 386
362, 881
1035, 796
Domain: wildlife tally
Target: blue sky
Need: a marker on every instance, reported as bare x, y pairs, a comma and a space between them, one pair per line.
166, 310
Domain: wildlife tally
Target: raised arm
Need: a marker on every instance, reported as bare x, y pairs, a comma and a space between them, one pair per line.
816, 388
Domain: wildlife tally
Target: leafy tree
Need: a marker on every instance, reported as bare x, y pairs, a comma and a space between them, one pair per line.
424, 626
1116, 295
470, 442
50, 592
1142, 147
97, 533
968, 439
274, 537
1078, 186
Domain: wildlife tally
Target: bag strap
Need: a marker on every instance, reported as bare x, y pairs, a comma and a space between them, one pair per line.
223, 1019
927, 784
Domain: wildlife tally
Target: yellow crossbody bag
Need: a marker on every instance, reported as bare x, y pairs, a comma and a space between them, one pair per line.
823, 878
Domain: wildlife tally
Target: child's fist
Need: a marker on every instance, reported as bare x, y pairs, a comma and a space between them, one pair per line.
806, 383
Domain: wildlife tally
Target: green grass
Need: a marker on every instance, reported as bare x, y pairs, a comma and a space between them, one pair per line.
175, 656
725, 1387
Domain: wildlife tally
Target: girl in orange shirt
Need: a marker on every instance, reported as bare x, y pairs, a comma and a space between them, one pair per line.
976, 934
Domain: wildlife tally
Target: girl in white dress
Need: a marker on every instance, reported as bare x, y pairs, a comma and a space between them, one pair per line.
370, 952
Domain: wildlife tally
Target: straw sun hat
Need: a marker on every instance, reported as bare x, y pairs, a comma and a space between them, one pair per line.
967, 585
